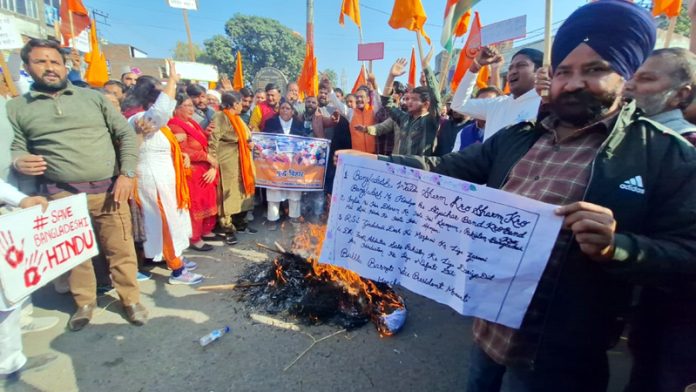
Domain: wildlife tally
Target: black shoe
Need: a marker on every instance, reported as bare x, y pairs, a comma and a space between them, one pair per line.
248, 230
231, 239
204, 248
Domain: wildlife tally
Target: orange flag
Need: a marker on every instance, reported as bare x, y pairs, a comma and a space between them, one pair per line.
506, 89
350, 8
468, 53
412, 69
308, 82
80, 19
361, 80
483, 75
670, 8
97, 72
238, 80
409, 15
463, 24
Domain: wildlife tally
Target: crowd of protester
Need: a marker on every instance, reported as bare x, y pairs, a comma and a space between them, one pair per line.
176, 158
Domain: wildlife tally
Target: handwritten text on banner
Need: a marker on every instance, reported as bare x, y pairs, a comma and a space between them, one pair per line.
37, 247
479, 250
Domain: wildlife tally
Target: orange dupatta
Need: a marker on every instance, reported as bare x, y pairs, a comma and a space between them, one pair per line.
245, 160
183, 198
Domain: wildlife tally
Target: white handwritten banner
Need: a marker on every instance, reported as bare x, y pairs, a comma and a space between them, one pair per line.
479, 250
9, 35
37, 247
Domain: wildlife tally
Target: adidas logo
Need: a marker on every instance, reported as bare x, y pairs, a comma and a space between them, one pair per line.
634, 184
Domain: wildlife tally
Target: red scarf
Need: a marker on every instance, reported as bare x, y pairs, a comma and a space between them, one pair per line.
192, 129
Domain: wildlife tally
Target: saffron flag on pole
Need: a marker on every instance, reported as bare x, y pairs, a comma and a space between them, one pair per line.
351, 9
457, 16
360, 81
80, 19
468, 53
483, 76
97, 73
238, 79
671, 8
412, 69
409, 15
308, 82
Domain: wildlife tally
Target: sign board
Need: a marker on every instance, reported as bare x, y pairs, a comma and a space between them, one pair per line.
37, 247
270, 75
290, 162
9, 35
504, 30
184, 4
371, 51
479, 250
196, 71
81, 42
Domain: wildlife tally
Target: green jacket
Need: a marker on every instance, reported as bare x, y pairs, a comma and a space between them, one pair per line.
656, 223
76, 132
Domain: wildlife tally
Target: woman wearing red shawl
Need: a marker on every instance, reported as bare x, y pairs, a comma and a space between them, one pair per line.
203, 180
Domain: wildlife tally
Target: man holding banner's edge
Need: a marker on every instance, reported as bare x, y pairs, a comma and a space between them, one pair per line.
627, 191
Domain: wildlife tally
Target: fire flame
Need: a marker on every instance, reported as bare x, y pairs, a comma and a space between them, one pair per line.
308, 242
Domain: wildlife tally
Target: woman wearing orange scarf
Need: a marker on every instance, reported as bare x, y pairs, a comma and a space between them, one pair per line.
162, 189
229, 144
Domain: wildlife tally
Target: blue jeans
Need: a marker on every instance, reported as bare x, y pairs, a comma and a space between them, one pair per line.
552, 372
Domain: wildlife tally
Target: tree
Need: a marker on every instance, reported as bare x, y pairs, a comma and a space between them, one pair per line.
331, 74
181, 52
263, 42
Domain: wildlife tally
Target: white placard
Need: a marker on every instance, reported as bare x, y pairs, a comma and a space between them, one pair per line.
185, 4
37, 247
479, 250
81, 42
504, 30
9, 35
196, 71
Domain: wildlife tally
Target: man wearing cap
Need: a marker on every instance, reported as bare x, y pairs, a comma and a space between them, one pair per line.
626, 187
504, 110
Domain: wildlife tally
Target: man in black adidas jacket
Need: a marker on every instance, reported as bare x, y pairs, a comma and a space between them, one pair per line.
633, 220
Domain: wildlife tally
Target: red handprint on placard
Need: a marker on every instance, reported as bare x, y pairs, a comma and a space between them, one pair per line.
32, 276
12, 254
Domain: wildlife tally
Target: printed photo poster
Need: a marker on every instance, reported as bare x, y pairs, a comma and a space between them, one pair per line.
288, 162
479, 250
37, 247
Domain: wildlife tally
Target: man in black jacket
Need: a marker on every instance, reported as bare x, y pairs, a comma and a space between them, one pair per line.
627, 187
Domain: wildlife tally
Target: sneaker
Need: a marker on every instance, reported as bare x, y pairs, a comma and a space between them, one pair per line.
188, 264
143, 276
272, 226
38, 324
231, 239
250, 216
186, 277
248, 230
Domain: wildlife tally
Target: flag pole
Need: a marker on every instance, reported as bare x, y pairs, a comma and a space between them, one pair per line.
420, 44
444, 70
547, 39
72, 28
192, 55
670, 31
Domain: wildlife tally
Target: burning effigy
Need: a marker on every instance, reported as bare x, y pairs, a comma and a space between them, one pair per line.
295, 284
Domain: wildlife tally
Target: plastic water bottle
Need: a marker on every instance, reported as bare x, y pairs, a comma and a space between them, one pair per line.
213, 336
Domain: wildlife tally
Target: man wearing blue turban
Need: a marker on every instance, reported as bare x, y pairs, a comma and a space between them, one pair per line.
626, 188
